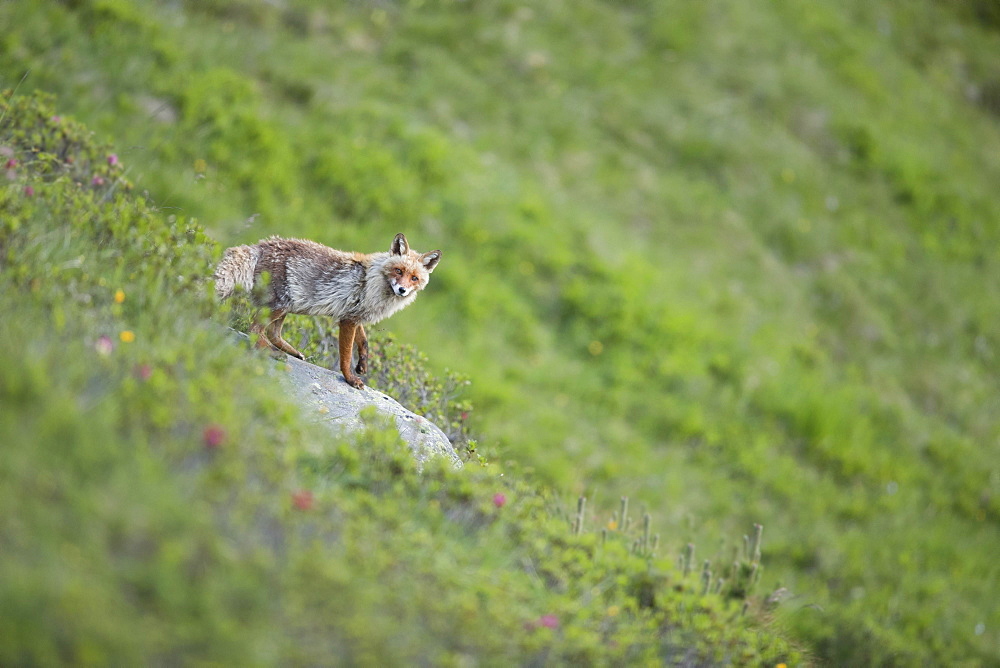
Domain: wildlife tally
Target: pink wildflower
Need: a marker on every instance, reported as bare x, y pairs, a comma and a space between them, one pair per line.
112, 159
499, 500
549, 621
214, 436
12, 163
143, 371
29, 191
97, 181
303, 499
104, 345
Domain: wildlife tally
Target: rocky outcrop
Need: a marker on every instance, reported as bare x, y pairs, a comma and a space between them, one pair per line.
326, 398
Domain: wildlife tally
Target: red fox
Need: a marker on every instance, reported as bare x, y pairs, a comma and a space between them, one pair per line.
312, 279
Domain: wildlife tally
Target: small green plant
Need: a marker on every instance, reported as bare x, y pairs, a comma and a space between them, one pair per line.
37, 146
738, 583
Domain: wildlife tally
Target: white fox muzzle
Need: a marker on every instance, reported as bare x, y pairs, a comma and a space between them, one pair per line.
400, 290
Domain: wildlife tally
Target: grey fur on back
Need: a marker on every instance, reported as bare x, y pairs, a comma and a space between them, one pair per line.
312, 279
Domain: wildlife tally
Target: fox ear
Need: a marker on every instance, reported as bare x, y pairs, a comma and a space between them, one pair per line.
430, 260
399, 245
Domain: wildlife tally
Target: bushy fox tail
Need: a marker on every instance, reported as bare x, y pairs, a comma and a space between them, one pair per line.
236, 268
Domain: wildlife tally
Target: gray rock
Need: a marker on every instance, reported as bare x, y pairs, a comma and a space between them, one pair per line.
325, 396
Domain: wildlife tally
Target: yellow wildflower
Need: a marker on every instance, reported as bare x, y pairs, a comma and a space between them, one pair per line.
127, 336
119, 296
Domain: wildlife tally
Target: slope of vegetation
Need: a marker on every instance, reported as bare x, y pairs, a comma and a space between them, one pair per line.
167, 506
737, 260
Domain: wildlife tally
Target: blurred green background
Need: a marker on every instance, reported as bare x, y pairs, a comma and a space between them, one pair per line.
738, 261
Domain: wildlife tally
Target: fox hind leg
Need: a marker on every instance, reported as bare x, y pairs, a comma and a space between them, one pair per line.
259, 331
256, 329
272, 332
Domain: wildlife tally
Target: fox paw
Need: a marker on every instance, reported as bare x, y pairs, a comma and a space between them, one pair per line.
354, 382
362, 367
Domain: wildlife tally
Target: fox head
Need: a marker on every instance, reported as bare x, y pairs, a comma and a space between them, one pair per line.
407, 270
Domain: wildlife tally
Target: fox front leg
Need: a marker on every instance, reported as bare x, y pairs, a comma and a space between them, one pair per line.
362, 340
346, 345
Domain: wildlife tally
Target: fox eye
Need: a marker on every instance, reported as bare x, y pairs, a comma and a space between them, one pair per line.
414, 279
399, 272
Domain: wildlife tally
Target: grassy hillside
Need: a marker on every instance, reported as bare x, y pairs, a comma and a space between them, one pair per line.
736, 260
168, 506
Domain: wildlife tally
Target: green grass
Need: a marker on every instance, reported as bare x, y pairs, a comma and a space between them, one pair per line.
169, 505
738, 261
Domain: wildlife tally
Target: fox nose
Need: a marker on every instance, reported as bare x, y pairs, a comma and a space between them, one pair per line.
401, 290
